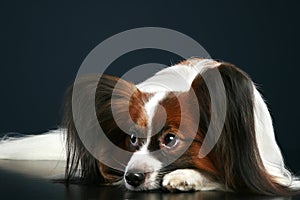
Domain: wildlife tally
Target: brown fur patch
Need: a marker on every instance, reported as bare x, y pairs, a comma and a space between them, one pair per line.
183, 117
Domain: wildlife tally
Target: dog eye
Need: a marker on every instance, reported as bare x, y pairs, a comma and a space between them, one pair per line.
133, 139
170, 140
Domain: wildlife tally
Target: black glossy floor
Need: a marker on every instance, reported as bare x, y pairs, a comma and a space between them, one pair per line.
16, 185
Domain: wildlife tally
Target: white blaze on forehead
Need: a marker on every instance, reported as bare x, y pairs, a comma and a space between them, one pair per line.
151, 105
150, 108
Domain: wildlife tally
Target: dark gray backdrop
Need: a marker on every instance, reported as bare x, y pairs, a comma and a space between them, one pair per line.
44, 42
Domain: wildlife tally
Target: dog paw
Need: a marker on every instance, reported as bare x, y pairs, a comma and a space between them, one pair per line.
182, 180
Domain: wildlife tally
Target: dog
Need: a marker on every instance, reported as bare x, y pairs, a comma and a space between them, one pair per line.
172, 113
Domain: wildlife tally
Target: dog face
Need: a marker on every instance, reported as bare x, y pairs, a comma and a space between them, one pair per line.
171, 123
171, 136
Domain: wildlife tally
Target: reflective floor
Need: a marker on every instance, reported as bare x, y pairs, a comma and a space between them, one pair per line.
23, 180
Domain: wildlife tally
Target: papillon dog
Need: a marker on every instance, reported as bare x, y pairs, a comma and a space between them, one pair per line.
173, 113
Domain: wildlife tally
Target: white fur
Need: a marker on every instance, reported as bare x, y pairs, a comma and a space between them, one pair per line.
268, 148
150, 108
187, 180
177, 78
47, 146
144, 162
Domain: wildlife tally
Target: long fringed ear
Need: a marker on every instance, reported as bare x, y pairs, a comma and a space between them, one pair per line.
236, 155
81, 166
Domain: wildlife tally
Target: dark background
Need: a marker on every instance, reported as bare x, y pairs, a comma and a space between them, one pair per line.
44, 42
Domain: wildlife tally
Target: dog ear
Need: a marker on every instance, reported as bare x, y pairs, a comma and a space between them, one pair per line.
119, 104
79, 160
235, 154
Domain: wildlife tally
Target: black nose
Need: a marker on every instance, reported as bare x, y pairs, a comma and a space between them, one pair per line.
134, 178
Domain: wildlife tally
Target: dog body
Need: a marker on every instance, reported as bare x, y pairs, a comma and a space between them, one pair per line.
168, 119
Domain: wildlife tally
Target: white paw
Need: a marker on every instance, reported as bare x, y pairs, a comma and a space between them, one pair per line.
183, 180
